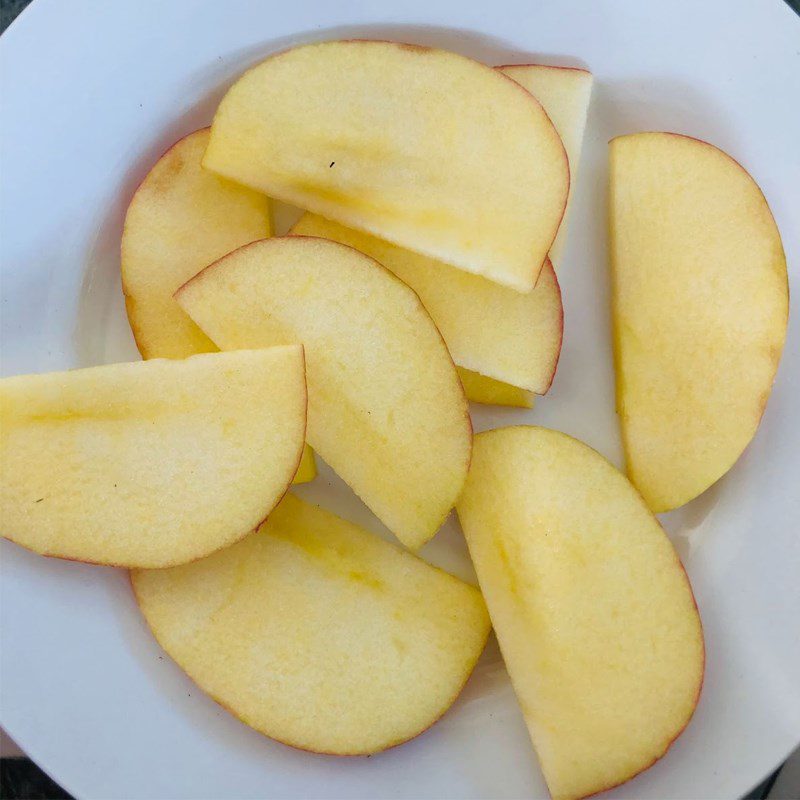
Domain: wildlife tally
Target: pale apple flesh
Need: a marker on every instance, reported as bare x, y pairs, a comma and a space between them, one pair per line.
700, 308
386, 409
181, 219
564, 93
480, 389
318, 633
351, 130
151, 463
505, 335
592, 608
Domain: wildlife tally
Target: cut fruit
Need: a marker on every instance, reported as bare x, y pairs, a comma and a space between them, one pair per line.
181, 219
307, 470
480, 389
564, 93
511, 337
700, 306
152, 463
386, 408
424, 148
592, 608
319, 634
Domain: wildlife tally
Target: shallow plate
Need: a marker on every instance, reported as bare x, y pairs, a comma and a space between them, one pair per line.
94, 92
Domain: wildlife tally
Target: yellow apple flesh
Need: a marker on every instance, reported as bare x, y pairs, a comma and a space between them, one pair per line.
480, 389
593, 611
700, 307
422, 147
152, 463
564, 93
181, 219
319, 634
502, 334
386, 408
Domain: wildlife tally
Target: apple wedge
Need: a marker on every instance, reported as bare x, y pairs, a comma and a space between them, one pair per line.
480, 389
700, 307
502, 334
422, 147
592, 608
152, 463
181, 219
319, 634
386, 409
564, 93
307, 470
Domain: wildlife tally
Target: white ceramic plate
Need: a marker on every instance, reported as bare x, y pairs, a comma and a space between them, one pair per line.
94, 92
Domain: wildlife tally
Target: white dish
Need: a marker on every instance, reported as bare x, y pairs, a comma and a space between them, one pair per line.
94, 92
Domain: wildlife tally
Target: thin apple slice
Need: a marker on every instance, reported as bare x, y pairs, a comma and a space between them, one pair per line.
511, 337
422, 147
152, 463
319, 634
564, 93
386, 408
700, 307
181, 219
480, 389
592, 608
307, 470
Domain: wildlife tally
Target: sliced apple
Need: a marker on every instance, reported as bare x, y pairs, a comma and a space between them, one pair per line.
386, 407
700, 307
319, 634
307, 470
564, 93
480, 389
181, 219
422, 147
592, 608
511, 337
152, 463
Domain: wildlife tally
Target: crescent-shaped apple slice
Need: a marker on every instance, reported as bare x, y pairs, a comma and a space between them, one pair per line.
593, 611
319, 634
700, 305
422, 147
151, 463
386, 408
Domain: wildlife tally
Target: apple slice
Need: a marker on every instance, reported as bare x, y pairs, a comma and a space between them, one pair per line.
386, 407
152, 463
422, 147
480, 389
181, 219
700, 307
511, 337
319, 634
564, 93
592, 608
307, 470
